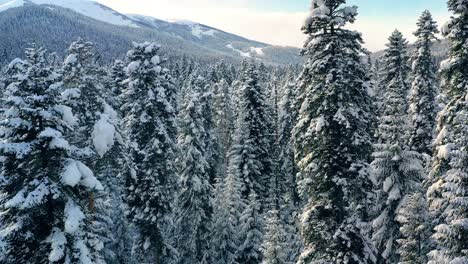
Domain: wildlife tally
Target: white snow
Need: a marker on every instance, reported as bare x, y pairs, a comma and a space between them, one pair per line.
133, 66
444, 151
87, 8
67, 115
320, 123
103, 135
16, 200
199, 32
73, 217
57, 140
85, 256
155, 60
180, 22
71, 93
15, 62
71, 175
445, 28
243, 54
258, 51
36, 197
57, 242
77, 173
72, 58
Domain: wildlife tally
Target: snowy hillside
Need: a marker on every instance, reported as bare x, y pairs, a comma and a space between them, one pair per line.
85, 7
55, 23
210, 37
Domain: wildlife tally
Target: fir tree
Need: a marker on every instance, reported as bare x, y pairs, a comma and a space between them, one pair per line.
150, 123
249, 157
449, 174
413, 218
287, 167
398, 171
224, 118
275, 241
251, 232
228, 206
45, 209
96, 128
194, 202
424, 87
211, 136
332, 139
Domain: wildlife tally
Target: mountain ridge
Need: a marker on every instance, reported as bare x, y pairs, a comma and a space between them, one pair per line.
181, 37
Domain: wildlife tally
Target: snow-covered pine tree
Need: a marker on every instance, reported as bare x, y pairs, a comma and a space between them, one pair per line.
332, 139
194, 207
286, 192
449, 174
210, 138
228, 206
224, 118
117, 85
275, 243
397, 171
150, 125
250, 155
423, 109
250, 232
96, 129
45, 208
414, 220
287, 167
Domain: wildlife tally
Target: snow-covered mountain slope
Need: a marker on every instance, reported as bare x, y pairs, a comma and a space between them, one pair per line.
56, 23
440, 51
85, 7
210, 37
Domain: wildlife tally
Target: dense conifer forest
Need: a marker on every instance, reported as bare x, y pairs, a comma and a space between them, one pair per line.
164, 159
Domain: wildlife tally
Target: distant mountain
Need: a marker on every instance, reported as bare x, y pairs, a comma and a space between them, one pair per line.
440, 51
56, 23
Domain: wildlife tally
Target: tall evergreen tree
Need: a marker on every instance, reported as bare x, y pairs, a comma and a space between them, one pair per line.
275, 242
249, 157
228, 206
250, 232
424, 87
449, 174
194, 202
414, 220
150, 122
210, 138
224, 119
332, 139
287, 167
45, 209
398, 171
96, 129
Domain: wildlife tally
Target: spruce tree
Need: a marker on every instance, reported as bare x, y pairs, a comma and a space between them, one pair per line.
224, 119
194, 207
449, 174
414, 220
287, 167
150, 124
249, 157
398, 171
332, 139
45, 209
424, 87
275, 241
227, 208
250, 232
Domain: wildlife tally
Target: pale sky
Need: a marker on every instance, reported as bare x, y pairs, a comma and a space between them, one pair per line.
279, 21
